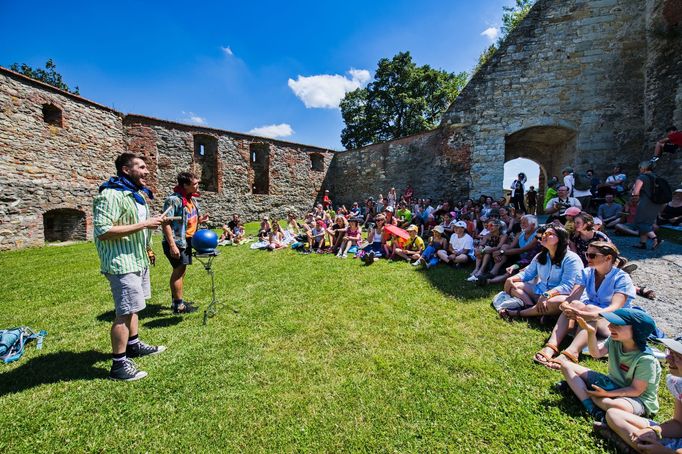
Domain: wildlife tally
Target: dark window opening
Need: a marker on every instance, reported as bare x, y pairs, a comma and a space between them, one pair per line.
206, 156
52, 115
260, 163
64, 224
317, 162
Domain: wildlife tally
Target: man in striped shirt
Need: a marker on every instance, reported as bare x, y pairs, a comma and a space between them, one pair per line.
121, 220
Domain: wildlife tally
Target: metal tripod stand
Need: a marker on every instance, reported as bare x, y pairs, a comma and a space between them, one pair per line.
207, 261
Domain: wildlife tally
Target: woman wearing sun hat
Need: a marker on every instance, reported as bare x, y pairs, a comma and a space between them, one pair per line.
646, 435
632, 381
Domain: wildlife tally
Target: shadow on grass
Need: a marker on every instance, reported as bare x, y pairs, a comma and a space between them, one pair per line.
163, 322
567, 404
453, 283
53, 368
152, 310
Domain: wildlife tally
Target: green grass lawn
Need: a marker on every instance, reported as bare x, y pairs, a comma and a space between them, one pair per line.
325, 355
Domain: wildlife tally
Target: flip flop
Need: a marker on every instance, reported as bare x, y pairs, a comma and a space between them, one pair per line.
547, 358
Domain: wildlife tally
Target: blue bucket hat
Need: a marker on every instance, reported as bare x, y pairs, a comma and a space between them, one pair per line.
642, 323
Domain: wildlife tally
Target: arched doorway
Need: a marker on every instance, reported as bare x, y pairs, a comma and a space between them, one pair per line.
64, 224
535, 174
551, 147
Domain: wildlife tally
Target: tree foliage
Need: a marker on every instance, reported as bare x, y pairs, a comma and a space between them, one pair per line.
402, 99
49, 75
511, 18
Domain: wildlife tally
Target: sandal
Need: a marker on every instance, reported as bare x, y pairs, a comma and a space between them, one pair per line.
646, 293
657, 243
556, 363
543, 358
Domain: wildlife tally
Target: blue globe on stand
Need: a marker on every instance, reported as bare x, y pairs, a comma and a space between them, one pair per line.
205, 241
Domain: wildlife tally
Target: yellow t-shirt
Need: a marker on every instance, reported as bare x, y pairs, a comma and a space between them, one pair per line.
415, 244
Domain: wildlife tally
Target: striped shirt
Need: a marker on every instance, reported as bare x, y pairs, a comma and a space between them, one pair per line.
123, 255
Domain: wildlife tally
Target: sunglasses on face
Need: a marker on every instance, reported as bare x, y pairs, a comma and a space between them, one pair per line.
592, 255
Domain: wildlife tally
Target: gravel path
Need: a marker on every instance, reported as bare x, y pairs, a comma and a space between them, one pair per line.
661, 271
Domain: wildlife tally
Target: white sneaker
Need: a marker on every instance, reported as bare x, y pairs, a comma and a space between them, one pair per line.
344, 256
472, 278
415, 263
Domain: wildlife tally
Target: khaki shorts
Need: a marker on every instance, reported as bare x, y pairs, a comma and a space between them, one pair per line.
130, 291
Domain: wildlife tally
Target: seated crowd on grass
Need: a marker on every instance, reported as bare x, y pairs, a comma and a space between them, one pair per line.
566, 272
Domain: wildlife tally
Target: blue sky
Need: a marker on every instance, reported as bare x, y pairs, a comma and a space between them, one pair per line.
271, 68
168, 60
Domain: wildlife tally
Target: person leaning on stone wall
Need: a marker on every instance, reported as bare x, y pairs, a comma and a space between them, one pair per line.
121, 220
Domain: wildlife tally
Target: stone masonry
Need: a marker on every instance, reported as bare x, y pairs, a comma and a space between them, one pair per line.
57, 148
581, 83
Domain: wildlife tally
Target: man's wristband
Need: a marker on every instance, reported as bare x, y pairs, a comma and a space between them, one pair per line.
550, 293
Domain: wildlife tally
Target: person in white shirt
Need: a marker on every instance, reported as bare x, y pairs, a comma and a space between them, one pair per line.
557, 206
460, 248
583, 196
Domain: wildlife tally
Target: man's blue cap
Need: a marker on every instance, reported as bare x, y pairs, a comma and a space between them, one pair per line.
642, 323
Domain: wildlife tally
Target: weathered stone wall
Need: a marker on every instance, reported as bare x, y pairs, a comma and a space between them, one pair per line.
663, 96
170, 148
50, 167
573, 66
435, 163
56, 168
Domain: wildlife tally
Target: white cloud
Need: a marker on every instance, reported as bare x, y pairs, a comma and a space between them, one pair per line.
491, 33
273, 131
191, 117
327, 90
227, 51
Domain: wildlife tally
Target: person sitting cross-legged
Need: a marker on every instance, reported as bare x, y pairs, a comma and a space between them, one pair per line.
555, 269
643, 434
437, 243
601, 287
634, 373
460, 249
413, 247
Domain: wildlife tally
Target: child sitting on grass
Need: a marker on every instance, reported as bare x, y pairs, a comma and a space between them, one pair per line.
353, 237
643, 434
413, 248
632, 382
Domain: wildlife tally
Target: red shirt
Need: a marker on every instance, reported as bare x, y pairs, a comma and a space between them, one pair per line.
676, 137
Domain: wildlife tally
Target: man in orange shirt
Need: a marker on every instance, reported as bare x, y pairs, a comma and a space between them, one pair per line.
177, 242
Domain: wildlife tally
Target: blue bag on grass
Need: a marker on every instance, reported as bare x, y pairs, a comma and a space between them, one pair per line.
13, 342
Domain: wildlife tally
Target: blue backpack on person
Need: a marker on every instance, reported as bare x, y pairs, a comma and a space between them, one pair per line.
13, 342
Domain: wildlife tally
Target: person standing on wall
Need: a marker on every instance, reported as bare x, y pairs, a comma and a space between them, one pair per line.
121, 222
517, 192
182, 205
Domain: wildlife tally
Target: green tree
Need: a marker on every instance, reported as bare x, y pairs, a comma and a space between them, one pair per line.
402, 99
49, 75
511, 18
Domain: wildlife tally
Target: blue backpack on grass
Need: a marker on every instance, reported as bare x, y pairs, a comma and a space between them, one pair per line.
13, 342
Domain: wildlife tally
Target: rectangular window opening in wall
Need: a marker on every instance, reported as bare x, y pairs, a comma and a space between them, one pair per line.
52, 115
206, 160
260, 163
316, 162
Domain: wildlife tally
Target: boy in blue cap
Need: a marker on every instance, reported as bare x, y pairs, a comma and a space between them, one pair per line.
634, 373
643, 434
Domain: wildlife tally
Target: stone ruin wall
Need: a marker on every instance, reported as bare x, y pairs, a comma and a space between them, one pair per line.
663, 95
46, 167
582, 83
570, 79
435, 163
170, 149
51, 172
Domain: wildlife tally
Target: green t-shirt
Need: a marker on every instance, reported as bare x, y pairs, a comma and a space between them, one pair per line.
405, 214
626, 367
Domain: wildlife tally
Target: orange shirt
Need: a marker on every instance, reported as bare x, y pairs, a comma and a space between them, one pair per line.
192, 219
